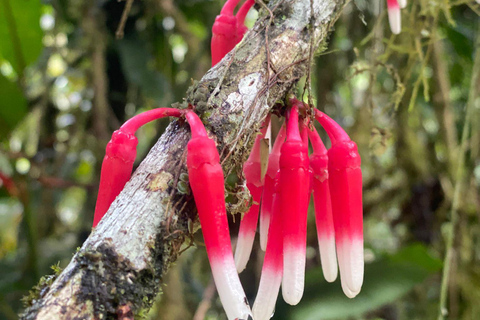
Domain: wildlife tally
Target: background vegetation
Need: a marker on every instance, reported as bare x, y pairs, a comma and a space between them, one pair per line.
410, 102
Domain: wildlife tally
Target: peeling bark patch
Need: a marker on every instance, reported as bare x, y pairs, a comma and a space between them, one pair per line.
160, 181
248, 89
234, 100
110, 283
249, 85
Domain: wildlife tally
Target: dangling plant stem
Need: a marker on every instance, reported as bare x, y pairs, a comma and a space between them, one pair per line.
459, 182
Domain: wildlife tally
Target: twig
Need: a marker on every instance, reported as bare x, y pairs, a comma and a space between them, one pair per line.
267, 46
421, 77
206, 302
59, 183
121, 26
222, 77
93, 23
308, 82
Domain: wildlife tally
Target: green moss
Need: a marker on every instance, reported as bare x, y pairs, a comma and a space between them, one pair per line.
110, 282
33, 300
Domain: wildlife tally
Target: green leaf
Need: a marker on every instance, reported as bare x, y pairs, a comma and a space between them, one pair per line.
20, 25
13, 106
462, 44
386, 280
20, 32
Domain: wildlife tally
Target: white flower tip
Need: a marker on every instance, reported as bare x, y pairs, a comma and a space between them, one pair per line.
344, 271
263, 311
291, 296
243, 251
395, 20
241, 260
264, 224
263, 241
230, 289
351, 263
293, 275
349, 293
328, 258
403, 3
355, 280
330, 275
264, 305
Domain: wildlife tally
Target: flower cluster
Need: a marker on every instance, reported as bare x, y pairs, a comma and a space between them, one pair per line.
206, 181
281, 197
335, 178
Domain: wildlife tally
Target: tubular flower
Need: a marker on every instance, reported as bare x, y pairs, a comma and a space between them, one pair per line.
248, 226
323, 206
120, 154
223, 32
294, 190
206, 180
272, 269
402, 4
227, 29
241, 14
269, 186
394, 17
345, 182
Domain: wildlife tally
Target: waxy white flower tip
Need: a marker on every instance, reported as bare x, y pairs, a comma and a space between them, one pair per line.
355, 265
293, 274
243, 251
403, 3
395, 19
351, 263
328, 258
350, 294
264, 225
229, 288
268, 289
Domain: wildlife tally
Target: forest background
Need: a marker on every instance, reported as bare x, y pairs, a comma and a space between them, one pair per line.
70, 74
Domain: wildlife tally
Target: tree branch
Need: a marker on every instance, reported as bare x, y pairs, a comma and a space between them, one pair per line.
121, 265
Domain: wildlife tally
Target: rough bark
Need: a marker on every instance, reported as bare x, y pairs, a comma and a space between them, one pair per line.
119, 268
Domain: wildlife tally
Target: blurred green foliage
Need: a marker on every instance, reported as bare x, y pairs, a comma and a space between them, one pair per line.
20, 33
11, 96
66, 83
